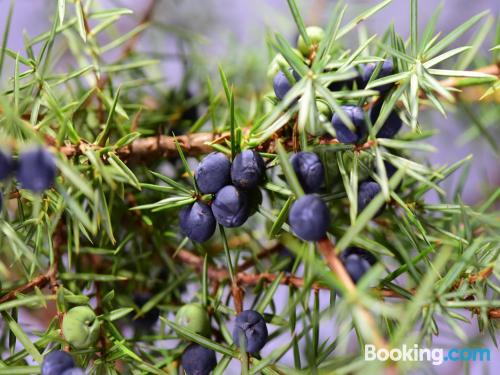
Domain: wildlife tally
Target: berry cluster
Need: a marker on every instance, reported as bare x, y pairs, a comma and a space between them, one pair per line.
234, 186
309, 216
286, 77
250, 330
60, 363
34, 169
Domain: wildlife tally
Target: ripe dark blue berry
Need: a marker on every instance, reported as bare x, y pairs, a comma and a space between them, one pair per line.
231, 207
250, 327
213, 173
367, 190
357, 117
147, 320
6, 165
247, 169
36, 170
357, 262
346, 84
309, 170
391, 126
197, 222
56, 362
386, 70
286, 254
74, 371
198, 360
282, 85
309, 218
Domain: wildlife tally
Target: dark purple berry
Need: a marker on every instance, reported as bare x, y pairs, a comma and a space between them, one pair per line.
357, 262
367, 190
36, 170
213, 173
254, 200
149, 319
286, 254
386, 70
391, 126
247, 169
309, 170
250, 327
6, 165
74, 371
56, 362
231, 207
282, 85
197, 222
357, 117
309, 218
198, 360
346, 84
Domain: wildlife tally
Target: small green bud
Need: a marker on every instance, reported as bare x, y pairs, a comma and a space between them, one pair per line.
316, 35
81, 327
194, 317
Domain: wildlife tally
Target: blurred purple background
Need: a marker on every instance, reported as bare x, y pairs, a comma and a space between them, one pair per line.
233, 32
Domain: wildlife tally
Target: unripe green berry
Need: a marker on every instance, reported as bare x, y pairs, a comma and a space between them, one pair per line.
277, 62
81, 327
316, 35
194, 317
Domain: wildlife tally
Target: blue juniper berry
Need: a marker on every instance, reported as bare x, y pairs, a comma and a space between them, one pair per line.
56, 362
386, 70
309, 218
309, 170
282, 85
197, 222
247, 169
36, 170
357, 262
392, 124
198, 360
250, 327
231, 207
213, 173
6, 165
357, 117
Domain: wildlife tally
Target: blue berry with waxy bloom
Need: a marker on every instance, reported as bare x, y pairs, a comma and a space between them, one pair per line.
36, 170
250, 327
74, 371
357, 262
247, 169
80, 327
198, 360
309, 170
357, 117
197, 222
213, 173
282, 85
148, 319
6, 165
386, 70
56, 362
367, 190
347, 83
392, 124
231, 207
309, 218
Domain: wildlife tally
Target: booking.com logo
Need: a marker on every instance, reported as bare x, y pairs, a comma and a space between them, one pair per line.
416, 354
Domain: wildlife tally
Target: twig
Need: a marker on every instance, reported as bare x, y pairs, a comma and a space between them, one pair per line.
338, 268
